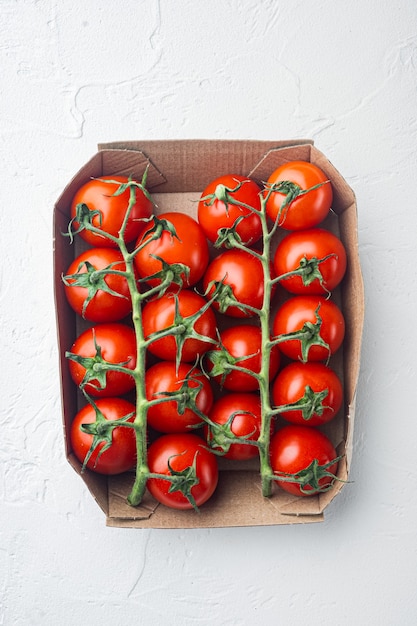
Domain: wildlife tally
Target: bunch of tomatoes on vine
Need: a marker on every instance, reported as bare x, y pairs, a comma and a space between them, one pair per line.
190, 350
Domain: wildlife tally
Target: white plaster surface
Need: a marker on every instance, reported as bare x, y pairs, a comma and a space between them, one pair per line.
77, 73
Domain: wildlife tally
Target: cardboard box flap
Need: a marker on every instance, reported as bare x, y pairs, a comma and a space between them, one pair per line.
189, 165
237, 502
278, 156
131, 163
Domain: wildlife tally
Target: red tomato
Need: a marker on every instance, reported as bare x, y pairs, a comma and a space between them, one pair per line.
187, 456
313, 387
240, 346
102, 297
322, 325
216, 210
242, 274
318, 253
305, 210
189, 247
100, 196
120, 456
304, 453
162, 380
159, 314
98, 346
238, 415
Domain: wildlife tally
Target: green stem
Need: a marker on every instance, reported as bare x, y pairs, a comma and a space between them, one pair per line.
140, 422
142, 470
264, 316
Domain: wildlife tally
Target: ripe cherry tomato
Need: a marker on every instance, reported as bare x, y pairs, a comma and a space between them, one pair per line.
188, 247
306, 210
321, 321
242, 274
238, 415
320, 254
216, 210
111, 343
240, 346
162, 380
160, 314
98, 297
313, 387
99, 196
187, 456
297, 450
120, 456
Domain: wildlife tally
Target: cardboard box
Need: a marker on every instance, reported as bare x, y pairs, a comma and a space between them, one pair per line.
178, 172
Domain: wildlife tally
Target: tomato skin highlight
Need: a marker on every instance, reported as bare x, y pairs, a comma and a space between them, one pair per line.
121, 456
246, 423
103, 306
118, 345
98, 196
240, 342
290, 386
214, 215
181, 450
158, 314
298, 310
315, 243
293, 449
166, 417
244, 274
189, 248
307, 210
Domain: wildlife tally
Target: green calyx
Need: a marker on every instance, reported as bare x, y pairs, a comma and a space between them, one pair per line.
84, 217
221, 436
308, 270
159, 227
96, 367
313, 479
224, 297
223, 194
185, 397
291, 191
223, 363
229, 237
184, 480
132, 185
169, 274
310, 404
308, 336
93, 280
102, 431
288, 188
182, 329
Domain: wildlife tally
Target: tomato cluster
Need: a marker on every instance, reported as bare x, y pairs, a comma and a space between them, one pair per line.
207, 337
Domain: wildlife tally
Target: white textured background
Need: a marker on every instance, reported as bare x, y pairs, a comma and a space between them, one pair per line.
73, 74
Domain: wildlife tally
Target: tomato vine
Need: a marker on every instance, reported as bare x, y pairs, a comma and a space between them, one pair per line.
170, 281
